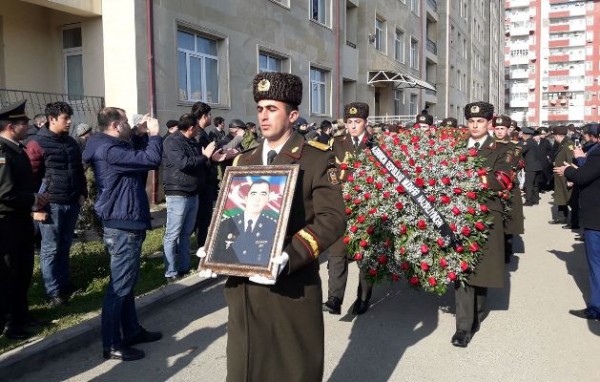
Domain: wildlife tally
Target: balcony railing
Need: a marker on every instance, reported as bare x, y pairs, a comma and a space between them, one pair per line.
351, 44
432, 4
85, 108
431, 46
393, 119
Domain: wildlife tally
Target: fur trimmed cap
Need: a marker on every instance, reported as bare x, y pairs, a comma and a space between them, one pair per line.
356, 110
449, 122
501, 120
479, 110
425, 118
277, 86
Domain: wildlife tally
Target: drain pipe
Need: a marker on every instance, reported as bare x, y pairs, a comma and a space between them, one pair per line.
151, 85
337, 60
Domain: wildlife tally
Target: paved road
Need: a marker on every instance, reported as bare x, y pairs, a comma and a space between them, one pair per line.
405, 336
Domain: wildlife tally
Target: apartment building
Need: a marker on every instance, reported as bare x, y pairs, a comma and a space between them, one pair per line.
399, 56
552, 61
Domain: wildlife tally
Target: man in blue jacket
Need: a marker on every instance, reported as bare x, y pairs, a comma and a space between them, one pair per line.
124, 209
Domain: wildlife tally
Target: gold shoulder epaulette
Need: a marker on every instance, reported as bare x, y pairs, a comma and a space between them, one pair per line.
319, 145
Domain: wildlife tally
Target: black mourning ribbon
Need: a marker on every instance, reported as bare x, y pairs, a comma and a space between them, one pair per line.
249, 227
416, 194
270, 156
477, 145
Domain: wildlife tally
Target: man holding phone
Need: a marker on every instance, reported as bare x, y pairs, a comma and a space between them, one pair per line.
562, 190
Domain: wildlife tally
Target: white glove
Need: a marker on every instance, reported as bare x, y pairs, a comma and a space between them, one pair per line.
204, 273
279, 264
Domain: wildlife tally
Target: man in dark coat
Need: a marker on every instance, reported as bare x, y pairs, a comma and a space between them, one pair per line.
562, 190
513, 223
17, 197
470, 298
345, 147
587, 177
533, 168
275, 332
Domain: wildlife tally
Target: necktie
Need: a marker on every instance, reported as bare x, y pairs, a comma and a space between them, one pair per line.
355, 139
270, 156
249, 227
476, 145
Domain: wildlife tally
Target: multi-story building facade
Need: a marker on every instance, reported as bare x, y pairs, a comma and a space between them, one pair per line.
552, 61
399, 56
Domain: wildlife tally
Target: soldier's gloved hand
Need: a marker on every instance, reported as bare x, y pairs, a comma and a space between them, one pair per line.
279, 264
204, 273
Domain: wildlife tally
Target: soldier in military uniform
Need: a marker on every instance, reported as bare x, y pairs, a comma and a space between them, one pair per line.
424, 120
513, 223
345, 147
247, 237
449, 122
470, 298
17, 198
562, 190
275, 327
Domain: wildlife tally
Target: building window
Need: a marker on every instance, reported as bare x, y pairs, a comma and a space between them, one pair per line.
319, 11
73, 63
318, 91
414, 53
398, 101
412, 105
268, 63
198, 68
399, 46
380, 34
414, 6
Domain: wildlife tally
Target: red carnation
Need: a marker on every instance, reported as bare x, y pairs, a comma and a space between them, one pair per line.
411, 162
424, 266
350, 178
460, 249
382, 259
455, 210
452, 276
384, 217
420, 182
347, 197
372, 272
445, 199
462, 158
452, 227
446, 181
378, 185
432, 281
344, 166
480, 226
445, 164
361, 219
414, 281
364, 244
404, 266
346, 240
441, 242
402, 250
357, 188
400, 189
386, 194
466, 230
370, 230
473, 247
403, 229
414, 139
431, 198
348, 211
424, 249
357, 201
421, 224
395, 277
387, 243
483, 208
373, 210
370, 180
418, 169
367, 195
353, 229
443, 262
482, 172
399, 205
464, 266
471, 211
432, 182
391, 179
358, 256
457, 190
472, 152
471, 195
357, 164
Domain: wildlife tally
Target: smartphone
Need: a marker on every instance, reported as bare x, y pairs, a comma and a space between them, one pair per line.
577, 142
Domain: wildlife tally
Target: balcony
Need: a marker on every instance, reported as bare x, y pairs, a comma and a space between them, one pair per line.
519, 74
431, 46
85, 108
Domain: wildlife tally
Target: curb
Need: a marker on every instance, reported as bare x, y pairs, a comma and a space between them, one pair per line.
18, 361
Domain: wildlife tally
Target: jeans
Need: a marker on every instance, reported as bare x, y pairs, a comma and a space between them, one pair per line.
118, 309
57, 237
592, 253
181, 216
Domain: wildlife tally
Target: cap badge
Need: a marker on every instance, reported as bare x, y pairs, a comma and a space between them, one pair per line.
422, 118
474, 109
264, 85
498, 121
295, 149
353, 110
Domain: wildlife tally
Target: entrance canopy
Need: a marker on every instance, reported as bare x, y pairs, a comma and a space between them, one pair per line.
398, 80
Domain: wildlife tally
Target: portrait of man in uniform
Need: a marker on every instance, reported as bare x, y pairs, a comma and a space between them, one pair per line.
244, 231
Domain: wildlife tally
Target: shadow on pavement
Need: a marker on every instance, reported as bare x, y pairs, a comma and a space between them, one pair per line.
577, 267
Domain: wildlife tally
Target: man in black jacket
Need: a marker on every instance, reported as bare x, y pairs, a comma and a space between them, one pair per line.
185, 164
56, 158
533, 168
587, 177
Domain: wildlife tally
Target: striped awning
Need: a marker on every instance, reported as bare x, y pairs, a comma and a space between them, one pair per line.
399, 80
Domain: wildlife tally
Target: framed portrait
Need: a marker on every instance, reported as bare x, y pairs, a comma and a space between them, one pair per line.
248, 225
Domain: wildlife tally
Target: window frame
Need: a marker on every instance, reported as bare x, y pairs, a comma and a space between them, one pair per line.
72, 52
414, 59
380, 34
326, 20
324, 98
403, 59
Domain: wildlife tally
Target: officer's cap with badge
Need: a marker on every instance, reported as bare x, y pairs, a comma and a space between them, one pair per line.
479, 110
560, 130
278, 86
501, 120
425, 118
449, 122
356, 110
14, 112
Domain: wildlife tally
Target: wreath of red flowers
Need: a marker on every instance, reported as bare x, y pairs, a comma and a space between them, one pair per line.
388, 234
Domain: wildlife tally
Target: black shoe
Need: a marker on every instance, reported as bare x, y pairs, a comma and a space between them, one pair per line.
554, 221
16, 333
579, 238
55, 301
123, 353
461, 339
142, 337
360, 306
173, 279
586, 314
527, 204
333, 305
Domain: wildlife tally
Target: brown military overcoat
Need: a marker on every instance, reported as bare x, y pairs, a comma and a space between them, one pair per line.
562, 193
514, 221
275, 333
